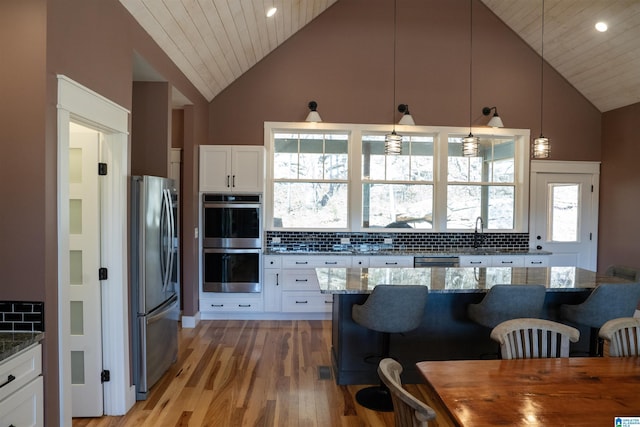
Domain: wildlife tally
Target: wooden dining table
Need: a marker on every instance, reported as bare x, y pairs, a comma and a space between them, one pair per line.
576, 391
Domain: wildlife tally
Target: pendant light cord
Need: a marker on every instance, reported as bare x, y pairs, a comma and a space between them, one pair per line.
395, 18
470, 62
542, 70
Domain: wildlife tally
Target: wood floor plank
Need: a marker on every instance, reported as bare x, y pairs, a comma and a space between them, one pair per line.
250, 373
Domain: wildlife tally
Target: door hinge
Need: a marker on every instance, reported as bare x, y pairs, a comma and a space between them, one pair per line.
103, 273
105, 376
592, 188
102, 168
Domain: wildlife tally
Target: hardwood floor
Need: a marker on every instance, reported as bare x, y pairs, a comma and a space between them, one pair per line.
251, 373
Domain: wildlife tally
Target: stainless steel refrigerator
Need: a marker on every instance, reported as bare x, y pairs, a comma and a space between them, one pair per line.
154, 279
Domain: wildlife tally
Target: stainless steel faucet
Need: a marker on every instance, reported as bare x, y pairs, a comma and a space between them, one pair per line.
478, 237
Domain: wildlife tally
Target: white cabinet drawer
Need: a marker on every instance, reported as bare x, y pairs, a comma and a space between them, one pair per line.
272, 261
390, 261
306, 302
19, 369
300, 280
25, 407
304, 261
507, 261
536, 261
475, 261
231, 304
360, 261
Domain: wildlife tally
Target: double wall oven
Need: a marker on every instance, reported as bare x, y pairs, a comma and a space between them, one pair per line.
232, 242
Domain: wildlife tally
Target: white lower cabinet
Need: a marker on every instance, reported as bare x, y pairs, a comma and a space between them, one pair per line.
504, 260
474, 261
232, 303
21, 390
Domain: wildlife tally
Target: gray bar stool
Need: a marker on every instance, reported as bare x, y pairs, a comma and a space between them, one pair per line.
388, 309
607, 301
506, 302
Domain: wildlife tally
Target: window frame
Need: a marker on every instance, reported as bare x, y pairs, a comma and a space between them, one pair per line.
440, 135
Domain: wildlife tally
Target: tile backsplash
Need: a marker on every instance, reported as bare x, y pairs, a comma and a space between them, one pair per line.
400, 242
21, 316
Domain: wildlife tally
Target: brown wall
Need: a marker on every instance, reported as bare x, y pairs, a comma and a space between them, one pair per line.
343, 60
619, 232
92, 43
150, 128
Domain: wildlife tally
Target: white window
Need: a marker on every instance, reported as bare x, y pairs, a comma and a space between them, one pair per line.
397, 190
482, 186
337, 177
310, 180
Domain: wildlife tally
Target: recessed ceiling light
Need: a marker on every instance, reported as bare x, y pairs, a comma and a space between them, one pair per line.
271, 12
602, 27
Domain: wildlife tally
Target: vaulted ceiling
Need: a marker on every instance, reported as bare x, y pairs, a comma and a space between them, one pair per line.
215, 41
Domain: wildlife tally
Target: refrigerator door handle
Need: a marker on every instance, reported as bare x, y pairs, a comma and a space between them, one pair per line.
161, 311
166, 238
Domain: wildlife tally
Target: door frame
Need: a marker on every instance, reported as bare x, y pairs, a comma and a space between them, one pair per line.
568, 168
88, 107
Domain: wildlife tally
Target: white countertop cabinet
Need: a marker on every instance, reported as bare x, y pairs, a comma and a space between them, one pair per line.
21, 391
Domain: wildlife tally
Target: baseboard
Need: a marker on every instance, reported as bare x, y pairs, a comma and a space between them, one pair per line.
189, 322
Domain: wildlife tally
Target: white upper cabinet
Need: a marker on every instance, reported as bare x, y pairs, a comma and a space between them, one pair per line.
232, 168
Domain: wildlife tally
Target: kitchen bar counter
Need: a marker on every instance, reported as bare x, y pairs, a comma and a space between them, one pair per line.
458, 279
14, 342
445, 333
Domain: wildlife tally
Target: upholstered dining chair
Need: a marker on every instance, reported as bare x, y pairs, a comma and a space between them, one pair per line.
623, 336
408, 410
388, 309
529, 338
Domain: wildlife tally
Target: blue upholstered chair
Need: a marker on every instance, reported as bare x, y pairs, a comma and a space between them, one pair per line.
388, 309
607, 301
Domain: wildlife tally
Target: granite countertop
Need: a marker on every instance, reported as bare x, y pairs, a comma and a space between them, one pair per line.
458, 279
14, 342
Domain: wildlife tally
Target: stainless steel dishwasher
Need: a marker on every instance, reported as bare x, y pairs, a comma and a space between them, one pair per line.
436, 261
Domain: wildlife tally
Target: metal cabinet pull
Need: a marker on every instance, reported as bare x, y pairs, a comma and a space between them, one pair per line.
330, 263
9, 379
506, 262
536, 262
244, 305
217, 305
302, 262
302, 280
391, 263
302, 302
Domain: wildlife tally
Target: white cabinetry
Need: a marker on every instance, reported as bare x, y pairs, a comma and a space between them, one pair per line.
231, 168
231, 303
21, 391
504, 260
390, 261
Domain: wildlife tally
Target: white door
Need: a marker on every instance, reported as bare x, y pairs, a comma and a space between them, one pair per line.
84, 263
564, 219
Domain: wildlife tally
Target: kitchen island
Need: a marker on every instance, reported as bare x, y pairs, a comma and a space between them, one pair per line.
445, 333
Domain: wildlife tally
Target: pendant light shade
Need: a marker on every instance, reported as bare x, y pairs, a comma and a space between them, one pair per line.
541, 148
392, 143
470, 146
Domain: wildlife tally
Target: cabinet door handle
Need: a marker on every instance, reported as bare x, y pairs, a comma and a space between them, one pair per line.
9, 379
244, 305
302, 262
506, 262
330, 262
302, 302
277, 279
302, 280
475, 262
217, 305
536, 262
233, 181
391, 263
228, 181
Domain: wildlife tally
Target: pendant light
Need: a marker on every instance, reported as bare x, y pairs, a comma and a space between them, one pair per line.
393, 141
470, 143
541, 148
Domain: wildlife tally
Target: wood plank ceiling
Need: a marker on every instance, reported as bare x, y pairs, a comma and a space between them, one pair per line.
215, 41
